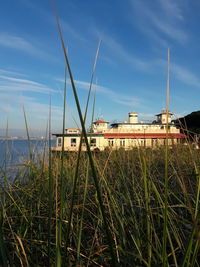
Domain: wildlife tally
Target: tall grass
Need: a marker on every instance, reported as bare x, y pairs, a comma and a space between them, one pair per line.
59, 225
132, 189
165, 214
80, 145
94, 172
51, 189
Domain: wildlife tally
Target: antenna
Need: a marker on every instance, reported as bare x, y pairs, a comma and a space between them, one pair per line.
165, 228
100, 115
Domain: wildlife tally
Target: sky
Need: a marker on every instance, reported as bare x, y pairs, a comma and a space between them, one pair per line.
131, 69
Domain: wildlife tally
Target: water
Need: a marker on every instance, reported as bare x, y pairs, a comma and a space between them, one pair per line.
16, 152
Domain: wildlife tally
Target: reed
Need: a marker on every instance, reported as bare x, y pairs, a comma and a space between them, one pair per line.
50, 189
132, 189
166, 178
59, 225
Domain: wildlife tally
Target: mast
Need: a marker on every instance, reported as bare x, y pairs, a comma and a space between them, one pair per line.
167, 88
166, 191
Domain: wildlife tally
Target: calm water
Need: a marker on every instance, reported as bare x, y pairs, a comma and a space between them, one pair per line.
18, 150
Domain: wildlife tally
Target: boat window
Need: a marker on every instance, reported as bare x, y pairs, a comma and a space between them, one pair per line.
72, 131
111, 142
134, 142
73, 141
122, 142
59, 141
142, 142
93, 142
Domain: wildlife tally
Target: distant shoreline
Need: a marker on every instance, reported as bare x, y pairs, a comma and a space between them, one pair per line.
24, 138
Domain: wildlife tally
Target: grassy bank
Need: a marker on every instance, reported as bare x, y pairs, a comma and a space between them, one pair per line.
132, 187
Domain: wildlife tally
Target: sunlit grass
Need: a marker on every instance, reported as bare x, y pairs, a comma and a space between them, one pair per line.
132, 189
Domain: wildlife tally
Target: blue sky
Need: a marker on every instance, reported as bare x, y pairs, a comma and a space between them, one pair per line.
131, 69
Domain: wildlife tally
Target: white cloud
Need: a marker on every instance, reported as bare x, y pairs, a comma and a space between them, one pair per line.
108, 60
185, 75
68, 29
170, 30
51, 19
41, 110
171, 7
19, 80
16, 42
24, 45
160, 19
8, 83
8, 72
116, 97
117, 49
37, 112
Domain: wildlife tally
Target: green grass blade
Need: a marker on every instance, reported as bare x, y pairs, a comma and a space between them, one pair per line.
51, 191
102, 208
62, 189
28, 136
79, 153
165, 215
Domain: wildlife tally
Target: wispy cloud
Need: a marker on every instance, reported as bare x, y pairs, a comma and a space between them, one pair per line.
116, 97
7, 103
38, 112
12, 84
184, 75
173, 8
16, 42
15, 92
41, 111
69, 30
161, 19
13, 79
47, 16
117, 49
108, 60
24, 45
9, 72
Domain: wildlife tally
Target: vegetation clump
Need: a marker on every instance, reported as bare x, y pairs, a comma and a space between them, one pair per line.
132, 187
